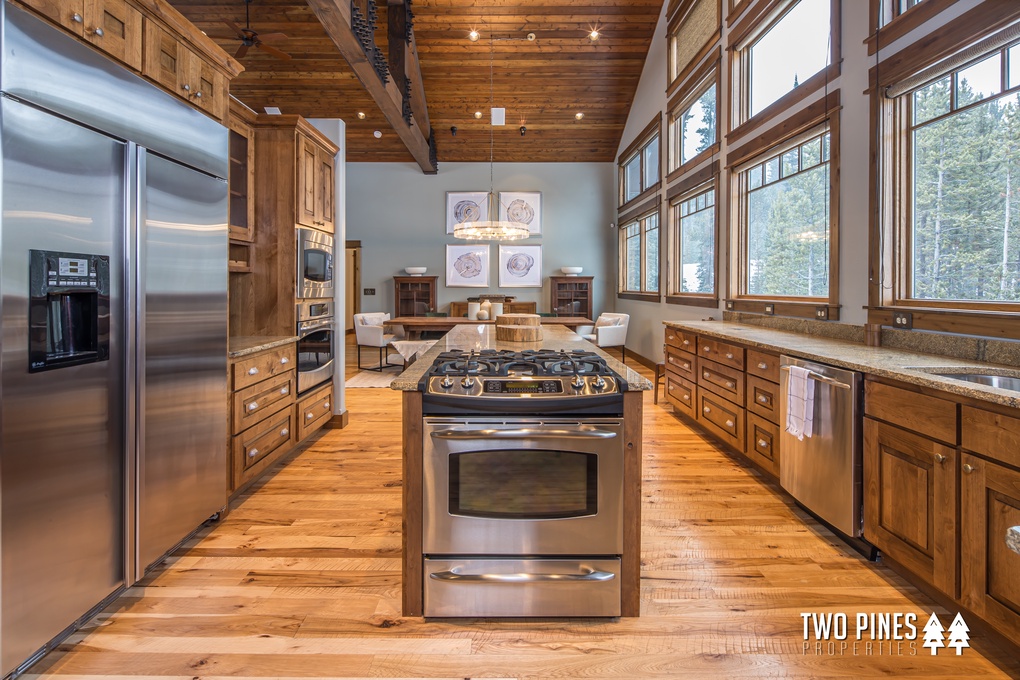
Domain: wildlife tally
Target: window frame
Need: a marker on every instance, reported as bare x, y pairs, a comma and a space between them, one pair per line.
696, 185
651, 133
699, 83
796, 129
637, 216
677, 15
758, 21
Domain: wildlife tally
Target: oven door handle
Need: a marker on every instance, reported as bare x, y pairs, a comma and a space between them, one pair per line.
524, 433
587, 575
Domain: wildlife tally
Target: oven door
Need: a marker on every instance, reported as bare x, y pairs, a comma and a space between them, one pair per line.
502, 486
314, 353
315, 264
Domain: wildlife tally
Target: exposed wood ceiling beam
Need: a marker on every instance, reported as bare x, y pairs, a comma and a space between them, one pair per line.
335, 16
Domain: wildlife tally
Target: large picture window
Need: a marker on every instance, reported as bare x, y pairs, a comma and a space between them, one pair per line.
639, 255
692, 125
785, 220
639, 165
693, 250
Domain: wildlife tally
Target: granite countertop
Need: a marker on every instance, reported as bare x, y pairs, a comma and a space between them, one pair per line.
1013, 539
909, 367
250, 344
479, 337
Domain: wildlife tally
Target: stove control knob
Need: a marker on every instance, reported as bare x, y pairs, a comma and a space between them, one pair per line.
446, 383
467, 382
577, 382
599, 383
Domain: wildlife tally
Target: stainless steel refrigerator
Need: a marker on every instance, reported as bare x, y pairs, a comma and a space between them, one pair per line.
113, 312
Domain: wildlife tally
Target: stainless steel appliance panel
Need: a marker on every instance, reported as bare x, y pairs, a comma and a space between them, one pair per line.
823, 471
61, 441
522, 587
183, 364
546, 510
314, 264
44, 66
315, 350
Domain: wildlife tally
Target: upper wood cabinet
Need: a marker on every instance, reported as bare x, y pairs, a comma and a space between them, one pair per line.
113, 26
241, 216
176, 67
315, 185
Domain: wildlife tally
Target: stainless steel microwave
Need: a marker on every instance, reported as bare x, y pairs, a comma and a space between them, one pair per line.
314, 264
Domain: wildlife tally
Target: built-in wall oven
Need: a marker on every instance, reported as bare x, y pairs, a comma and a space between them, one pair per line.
314, 264
315, 331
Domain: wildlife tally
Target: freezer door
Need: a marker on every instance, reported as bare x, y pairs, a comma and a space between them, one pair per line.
61, 430
182, 429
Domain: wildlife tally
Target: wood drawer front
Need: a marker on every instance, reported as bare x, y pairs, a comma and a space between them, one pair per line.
682, 394
763, 398
722, 352
255, 403
681, 340
258, 367
257, 448
991, 434
930, 416
721, 418
314, 410
910, 502
763, 443
763, 365
723, 380
681, 363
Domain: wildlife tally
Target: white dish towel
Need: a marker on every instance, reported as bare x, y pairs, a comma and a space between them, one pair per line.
800, 401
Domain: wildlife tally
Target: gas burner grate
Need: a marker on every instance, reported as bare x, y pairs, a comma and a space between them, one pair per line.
507, 363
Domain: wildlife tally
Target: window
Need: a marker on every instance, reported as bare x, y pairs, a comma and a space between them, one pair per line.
693, 239
639, 169
768, 65
639, 255
692, 126
962, 241
785, 198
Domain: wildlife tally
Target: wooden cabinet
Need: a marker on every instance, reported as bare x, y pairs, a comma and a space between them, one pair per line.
241, 214
179, 69
314, 410
414, 295
910, 502
112, 26
571, 296
990, 504
315, 184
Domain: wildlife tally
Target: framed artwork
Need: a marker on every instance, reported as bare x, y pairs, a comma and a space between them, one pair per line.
466, 206
522, 206
520, 266
467, 266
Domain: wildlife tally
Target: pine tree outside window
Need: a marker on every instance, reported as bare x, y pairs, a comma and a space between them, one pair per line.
639, 255
692, 125
693, 229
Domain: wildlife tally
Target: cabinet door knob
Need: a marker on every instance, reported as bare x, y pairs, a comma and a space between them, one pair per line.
687, 342
730, 384
707, 410
762, 365
729, 423
253, 371
326, 406
98, 32
252, 406
762, 444
729, 355
706, 374
672, 337
939, 458
253, 453
198, 95
762, 399
284, 432
686, 397
687, 366
707, 349
284, 360
186, 87
284, 391
76, 18
309, 416
968, 468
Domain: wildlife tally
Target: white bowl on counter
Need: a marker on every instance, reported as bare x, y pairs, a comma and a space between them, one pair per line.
415, 271
571, 271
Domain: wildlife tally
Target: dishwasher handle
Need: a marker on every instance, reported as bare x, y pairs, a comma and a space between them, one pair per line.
822, 378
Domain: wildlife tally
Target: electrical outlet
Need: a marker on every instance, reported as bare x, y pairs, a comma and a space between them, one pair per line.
370, 291
770, 309
822, 313
903, 320
729, 304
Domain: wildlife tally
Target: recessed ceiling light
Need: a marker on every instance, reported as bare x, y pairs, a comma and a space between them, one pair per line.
594, 35
273, 110
377, 134
478, 114
473, 35
361, 115
579, 115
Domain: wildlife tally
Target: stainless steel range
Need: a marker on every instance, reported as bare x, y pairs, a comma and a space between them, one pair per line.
522, 484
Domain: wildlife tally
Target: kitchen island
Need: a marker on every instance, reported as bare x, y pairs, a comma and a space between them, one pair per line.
478, 338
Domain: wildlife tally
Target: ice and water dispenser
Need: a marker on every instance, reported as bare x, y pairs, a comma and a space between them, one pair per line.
69, 309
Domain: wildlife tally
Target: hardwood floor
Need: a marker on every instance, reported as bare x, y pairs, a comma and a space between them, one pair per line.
302, 579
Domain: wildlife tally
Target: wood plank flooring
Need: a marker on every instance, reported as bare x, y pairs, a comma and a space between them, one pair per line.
302, 579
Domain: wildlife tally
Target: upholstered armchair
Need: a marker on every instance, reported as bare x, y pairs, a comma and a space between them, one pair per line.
610, 330
368, 330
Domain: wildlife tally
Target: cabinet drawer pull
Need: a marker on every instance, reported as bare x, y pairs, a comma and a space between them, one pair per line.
729, 424
762, 444
729, 355
253, 371
686, 342
687, 366
762, 365
326, 406
186, 87
284, 391
198, 95
707, 349
284, 432
686, 397
672, 337
762, 399
309, 415
253, 453
939, 458
706, 374
968, 468
707, 410
730, 384
76, 18
98, 31
252, 406
284, 360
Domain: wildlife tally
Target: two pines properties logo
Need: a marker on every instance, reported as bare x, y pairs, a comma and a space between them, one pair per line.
896, 634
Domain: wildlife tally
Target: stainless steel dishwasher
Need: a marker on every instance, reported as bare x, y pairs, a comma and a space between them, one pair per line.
823, 471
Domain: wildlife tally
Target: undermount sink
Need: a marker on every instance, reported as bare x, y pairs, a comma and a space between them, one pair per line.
1004, 382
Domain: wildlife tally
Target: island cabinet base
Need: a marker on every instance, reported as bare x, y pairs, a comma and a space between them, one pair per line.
483, 583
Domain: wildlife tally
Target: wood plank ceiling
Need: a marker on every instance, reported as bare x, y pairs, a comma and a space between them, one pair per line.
542, 83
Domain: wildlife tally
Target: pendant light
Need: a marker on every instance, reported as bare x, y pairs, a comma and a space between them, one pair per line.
492, 229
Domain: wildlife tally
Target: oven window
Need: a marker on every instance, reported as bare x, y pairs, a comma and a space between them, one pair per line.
314, 350
317, 266
516, 484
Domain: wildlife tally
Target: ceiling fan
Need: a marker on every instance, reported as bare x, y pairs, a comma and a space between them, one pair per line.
250, 38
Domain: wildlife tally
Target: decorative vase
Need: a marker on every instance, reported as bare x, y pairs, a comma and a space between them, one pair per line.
473, 308
495, 309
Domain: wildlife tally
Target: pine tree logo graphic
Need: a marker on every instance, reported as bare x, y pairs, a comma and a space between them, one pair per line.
959, 634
